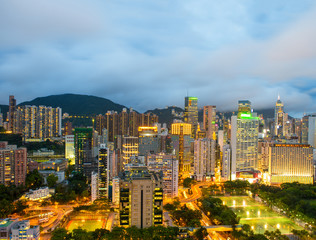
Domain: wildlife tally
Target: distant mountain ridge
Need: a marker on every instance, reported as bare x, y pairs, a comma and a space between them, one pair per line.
76, 104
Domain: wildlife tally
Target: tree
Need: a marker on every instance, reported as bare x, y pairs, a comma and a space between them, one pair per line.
51, 180
187, 182
60, 234
34, 180
200, 234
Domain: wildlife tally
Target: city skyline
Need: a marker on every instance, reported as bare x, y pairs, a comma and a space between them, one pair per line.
129, 53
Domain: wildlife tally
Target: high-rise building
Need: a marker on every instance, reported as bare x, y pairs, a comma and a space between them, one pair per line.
169, 166
1, 118
202, 158
244, 139
37, 122
103, 171
70, 148
226, 162
12, 107
209, 121
191, 113
94, 186
309, 130
13, 164
129, 149
141, 198
68, 128
83, 150
290, 163
148, 140
123, 123
280, 119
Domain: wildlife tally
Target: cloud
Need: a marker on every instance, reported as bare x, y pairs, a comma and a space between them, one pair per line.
150, 54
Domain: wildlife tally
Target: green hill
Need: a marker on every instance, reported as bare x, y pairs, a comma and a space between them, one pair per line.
165, 115
76, 104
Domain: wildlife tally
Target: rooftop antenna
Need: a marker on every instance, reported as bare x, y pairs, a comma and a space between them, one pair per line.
278, 96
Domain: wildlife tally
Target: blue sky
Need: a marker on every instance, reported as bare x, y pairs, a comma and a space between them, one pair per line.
147, 54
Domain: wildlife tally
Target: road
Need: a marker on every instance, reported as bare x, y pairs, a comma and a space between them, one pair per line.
190, 201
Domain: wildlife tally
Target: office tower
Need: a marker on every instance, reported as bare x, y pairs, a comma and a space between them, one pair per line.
202, 158
191, 113
70, 148
13, 164
103, 171
226, 162
280, 119
12, 108
148, 140
181, 140
141, 198
129, 148
94, 186
37, 122
309, 130
290, 163
116, 190
169, 166
209, 120
83, 150
68, 128
244, 139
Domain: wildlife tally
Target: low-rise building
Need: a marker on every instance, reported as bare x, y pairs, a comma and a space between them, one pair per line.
21, 230
38, 194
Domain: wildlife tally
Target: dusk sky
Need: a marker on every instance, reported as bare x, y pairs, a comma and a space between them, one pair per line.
150, 54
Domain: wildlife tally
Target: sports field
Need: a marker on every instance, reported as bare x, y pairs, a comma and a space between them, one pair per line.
258, 216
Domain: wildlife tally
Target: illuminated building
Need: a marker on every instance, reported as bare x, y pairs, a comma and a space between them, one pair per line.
129, 148
309, 130
124, 123
209, 120
83, 150
94, 186
1, 118
103, 171
148, 140
12, 108
226, 162
290, 163
280, 118
116, 191
70, 148
244, 139
13, 164
68, 128
23, 230
37, 122
177, 128
169, 166
141, 198
202, 152
191, 113
181, 140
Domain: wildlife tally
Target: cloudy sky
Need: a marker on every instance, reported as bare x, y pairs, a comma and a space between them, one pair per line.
146, 54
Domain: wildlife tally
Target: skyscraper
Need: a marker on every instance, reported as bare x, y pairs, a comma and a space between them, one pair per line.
83, 150
12, 107
103, 171
209, 117
280, 118
191, 112
244, 139
141, 198
148, 140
